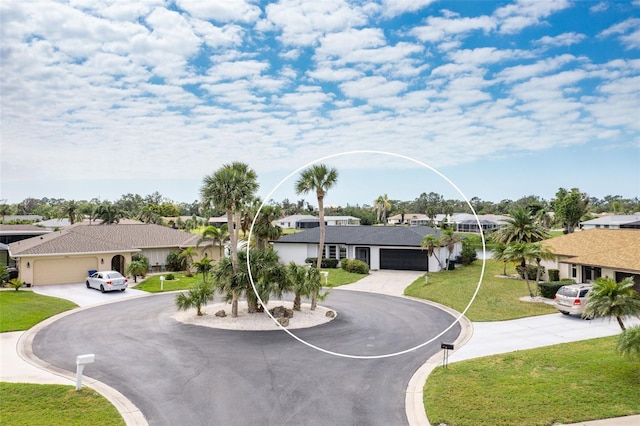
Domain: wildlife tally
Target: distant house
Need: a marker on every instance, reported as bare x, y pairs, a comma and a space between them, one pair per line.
218, 221
460, 222
612, 221
12, 233
594, 253
66, 256
381, 247
305, 221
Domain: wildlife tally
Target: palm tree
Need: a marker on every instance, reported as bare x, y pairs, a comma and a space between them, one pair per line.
521, 252
216, 236
71, 210
109, 214
187, 256
449, 239
431, 244
137, 268
318, 178
382, 205
431, 214
264, 229
629, 342
230, 188
197, 297
203, 266
609, 298
498, 254
520, 227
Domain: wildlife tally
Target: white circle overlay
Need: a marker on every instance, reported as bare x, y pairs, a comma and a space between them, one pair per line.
340, 154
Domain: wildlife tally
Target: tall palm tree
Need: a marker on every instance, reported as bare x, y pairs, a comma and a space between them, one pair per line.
609, 298
432, 245
318, 178
203, 266
187, 255
109, 214
382, 206
522, 252
449, 239
520, 227
229, 188
71, 211
431, 214
216, 236
498, 254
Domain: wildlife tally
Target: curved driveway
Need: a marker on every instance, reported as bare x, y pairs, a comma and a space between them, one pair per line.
184, 374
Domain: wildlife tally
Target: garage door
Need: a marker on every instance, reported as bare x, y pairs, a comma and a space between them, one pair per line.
404, 260
62, 271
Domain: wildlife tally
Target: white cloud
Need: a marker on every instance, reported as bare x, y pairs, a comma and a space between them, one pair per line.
628, 31
372, 87
524, 13
393, 8
439, 29
565, 39
525, 72
237, 69
221, 11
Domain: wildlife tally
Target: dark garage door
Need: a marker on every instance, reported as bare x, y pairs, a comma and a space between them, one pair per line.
404, 260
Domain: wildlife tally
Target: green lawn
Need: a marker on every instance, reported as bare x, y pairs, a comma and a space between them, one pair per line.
21, 310
565, 383
338, 277
31, 404
497, 300
181, 282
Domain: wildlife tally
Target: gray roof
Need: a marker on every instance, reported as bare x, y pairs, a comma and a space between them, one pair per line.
83, 238
22, 230
407, 236
612, 219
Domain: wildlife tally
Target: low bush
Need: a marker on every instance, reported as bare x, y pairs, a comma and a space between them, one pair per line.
568, 280
468, 254
355, 266
532, 271
549, 289
169, 277
554, 275
326, 263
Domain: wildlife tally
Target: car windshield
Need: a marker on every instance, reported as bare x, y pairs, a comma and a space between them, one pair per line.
569, 292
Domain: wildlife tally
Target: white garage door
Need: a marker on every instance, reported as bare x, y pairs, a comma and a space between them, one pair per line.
62, 271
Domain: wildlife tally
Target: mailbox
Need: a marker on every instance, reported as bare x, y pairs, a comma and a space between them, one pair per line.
85, 359
446, 346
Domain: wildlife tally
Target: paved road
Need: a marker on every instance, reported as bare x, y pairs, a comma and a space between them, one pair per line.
184, 374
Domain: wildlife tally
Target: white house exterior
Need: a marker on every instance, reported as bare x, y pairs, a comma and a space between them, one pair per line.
613, 221
306, 221
381, 247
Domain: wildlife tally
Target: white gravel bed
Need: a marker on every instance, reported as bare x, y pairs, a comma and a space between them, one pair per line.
258, 321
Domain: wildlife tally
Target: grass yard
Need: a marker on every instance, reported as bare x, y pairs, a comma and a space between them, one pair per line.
30, 404
566, 383
497, 300
21, 310
338, 277
181, 282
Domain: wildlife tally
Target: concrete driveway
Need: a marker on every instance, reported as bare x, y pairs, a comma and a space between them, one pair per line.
392, 283
83, 296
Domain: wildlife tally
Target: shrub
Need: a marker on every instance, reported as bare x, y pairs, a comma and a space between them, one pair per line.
16, 284
4, 274
468, 254
549, 289
554, 275
170, 277
175, 262
326, 263
568, 281
532, 271
355, 266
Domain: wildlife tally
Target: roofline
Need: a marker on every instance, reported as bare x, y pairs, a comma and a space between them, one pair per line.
600, 266
18, 256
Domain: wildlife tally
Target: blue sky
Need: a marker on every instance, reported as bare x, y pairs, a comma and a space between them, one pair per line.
506, 99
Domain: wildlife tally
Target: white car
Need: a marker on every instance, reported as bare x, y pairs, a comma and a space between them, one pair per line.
107, 281
570, 299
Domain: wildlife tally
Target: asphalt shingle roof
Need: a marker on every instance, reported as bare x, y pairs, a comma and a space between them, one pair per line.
82, 238
407, 236
611, 248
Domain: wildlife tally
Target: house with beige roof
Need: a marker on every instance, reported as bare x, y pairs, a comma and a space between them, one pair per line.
591, 254
66, 256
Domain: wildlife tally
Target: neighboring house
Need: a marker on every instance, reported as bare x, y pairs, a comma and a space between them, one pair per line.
460, 222
22, 218
12, 233
218, 221
612, 221
381, 247
67, 255
591, 254
307, 221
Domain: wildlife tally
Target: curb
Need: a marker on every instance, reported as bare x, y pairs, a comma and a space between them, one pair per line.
130, 413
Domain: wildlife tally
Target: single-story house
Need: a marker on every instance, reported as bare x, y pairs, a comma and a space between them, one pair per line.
218, 221
612, 221
594, 253
381, 247
66, 256
306, 221
461, 222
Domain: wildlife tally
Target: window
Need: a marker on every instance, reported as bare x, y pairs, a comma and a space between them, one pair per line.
574, 271
343, 252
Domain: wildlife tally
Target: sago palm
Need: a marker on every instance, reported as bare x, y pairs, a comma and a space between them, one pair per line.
197, 297
609, 298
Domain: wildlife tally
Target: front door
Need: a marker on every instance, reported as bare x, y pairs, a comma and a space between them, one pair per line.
117, 263
362, 253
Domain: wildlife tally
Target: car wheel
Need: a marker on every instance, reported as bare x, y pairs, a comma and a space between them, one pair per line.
101, 288
87, 283
564, 312
123, 289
